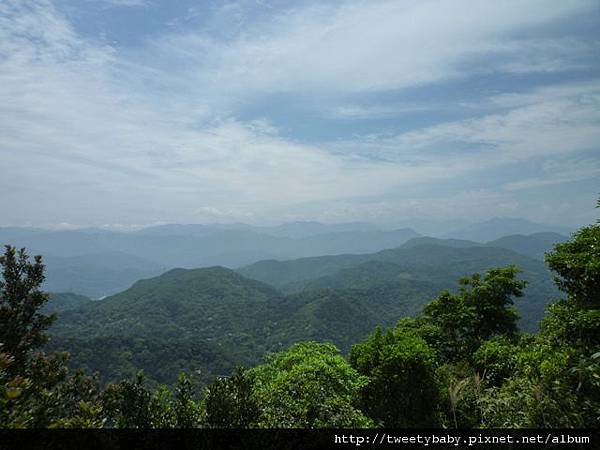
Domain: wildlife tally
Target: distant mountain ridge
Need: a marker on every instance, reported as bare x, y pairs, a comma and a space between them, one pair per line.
279, 273
209, 319
498, 227
96, 274
436, 264
203, 245
534, 245
97, 262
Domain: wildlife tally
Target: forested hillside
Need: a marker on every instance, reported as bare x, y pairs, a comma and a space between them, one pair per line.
98, 263
159, 324
434, 264
203, 321
459, 361
199, 245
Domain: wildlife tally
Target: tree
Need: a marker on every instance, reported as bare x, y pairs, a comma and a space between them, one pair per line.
36, 390
128, 403
577, 264
132, 404
308, 386
553, 379
573, 323
482, 308
401, 390
22, 326
230, 403
188, 411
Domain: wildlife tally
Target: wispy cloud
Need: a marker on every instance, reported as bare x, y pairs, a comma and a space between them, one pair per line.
558, 119
378, 45
559, 172
122, 2
375, 111
101, 133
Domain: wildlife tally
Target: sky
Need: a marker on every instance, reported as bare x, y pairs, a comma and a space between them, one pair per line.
125, 113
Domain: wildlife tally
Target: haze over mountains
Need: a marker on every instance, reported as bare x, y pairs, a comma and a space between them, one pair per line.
97, 262
206, 320
496, 228
173, 302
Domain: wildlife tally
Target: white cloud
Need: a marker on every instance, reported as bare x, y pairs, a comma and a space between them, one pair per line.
70, 125
553, 120
119, 3
377, 45
375, 111
559, 172
101, 134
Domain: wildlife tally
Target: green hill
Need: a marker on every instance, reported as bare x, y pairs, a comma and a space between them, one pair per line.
341, 315
427, 240
64, 301
436, 265
208, 319
454, 261
534, 245
205, 321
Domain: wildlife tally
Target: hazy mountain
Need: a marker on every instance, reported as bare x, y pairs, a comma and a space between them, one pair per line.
534, 245
430, 227
209, 319
353, 241
305, 229
97, 262
182, 230
280, 273
437, 265
498, 227
98, 274
294, 230
100, 262
426, 240
64, 301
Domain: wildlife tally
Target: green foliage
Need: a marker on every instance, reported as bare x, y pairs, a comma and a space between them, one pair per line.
401, 391
128, 403
229, 401
578, 327
36, 390
132, 404
497, 358
308, 386
22, 327
461, 363
461, 393
188, 411
539, 394
577, 264
481, 309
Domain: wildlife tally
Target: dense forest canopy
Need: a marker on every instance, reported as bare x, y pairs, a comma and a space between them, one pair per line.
460, 362
204, 321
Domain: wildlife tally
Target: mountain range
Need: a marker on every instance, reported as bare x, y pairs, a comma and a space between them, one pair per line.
206, 320
98, 263
498, 227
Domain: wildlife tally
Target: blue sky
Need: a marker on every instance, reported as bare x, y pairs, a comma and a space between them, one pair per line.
134, 112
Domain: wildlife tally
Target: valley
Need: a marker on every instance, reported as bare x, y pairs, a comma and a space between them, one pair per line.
206, 320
